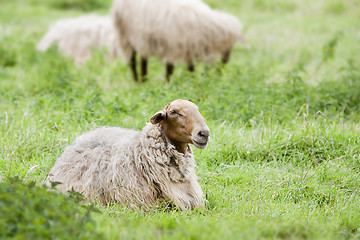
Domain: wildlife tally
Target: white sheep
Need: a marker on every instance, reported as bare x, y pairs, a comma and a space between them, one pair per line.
175, 31
139, 169
76, 37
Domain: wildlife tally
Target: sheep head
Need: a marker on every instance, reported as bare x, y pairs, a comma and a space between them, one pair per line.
182, 124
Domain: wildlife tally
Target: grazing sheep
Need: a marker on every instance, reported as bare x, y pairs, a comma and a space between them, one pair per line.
77, 36
175, 31
140, 169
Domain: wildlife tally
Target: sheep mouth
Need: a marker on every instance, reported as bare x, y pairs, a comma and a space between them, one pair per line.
200, 144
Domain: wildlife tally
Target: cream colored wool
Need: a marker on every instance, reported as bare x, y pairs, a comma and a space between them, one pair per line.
139, 169
76, 37
174, 30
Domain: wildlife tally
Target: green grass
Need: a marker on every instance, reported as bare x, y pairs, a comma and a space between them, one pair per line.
284, 158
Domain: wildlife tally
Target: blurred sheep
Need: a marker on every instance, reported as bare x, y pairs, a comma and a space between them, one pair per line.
76, 37
175, 31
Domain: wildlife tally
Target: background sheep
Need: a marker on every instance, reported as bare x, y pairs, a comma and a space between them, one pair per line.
77, 36
138, 168
174, 31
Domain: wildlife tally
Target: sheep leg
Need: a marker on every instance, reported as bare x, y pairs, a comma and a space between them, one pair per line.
169, 71
133, 66
143, 69
226, 56
191, 67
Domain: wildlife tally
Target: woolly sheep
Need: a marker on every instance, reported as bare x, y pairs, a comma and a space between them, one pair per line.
139, 169
77, 36
175, 31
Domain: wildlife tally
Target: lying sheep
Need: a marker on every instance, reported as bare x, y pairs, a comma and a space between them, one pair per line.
76, 37
175, 31
140, 169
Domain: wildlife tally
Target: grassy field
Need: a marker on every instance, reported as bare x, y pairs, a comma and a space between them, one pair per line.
284, 159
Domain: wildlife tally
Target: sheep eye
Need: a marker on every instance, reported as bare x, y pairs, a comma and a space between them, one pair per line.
173, 112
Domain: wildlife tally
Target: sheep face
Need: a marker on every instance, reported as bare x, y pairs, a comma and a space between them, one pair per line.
182, 124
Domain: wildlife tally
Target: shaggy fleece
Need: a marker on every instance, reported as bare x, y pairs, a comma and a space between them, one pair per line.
76, 37
140, 169
174, 30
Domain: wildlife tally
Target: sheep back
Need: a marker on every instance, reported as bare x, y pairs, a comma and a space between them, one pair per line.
76, 37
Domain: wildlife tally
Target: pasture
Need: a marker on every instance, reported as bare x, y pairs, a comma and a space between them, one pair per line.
284, 156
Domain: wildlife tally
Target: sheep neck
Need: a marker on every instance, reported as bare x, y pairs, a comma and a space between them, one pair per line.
180, 147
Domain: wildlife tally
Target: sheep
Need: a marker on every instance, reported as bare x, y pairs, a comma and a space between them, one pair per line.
138, 169
174, 31
77, 36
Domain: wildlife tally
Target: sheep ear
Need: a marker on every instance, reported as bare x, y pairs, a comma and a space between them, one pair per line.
158, 117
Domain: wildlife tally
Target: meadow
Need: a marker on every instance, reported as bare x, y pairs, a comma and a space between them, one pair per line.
284, 156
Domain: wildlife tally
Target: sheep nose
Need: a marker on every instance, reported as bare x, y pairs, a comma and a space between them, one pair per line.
204, 133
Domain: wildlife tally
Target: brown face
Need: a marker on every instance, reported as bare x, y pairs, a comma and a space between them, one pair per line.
182, 123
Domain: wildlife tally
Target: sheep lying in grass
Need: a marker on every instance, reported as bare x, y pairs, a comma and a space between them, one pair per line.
175, 31
140, 169
76, 37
